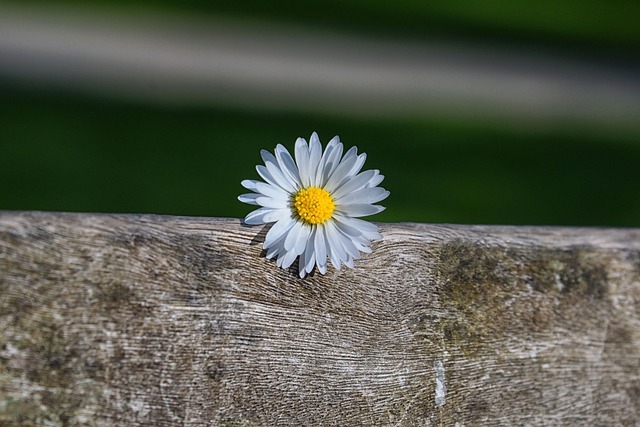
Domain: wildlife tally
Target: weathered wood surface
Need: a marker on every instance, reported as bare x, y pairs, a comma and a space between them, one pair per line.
128, 320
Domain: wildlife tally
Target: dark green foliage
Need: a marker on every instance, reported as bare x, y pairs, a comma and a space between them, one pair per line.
76, 153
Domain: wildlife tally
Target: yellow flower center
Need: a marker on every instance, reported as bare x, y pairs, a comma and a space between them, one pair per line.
313, 205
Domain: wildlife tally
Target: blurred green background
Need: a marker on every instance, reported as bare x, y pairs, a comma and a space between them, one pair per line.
73, 149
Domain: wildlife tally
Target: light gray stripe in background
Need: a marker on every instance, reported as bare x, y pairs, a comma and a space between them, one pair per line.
195, 61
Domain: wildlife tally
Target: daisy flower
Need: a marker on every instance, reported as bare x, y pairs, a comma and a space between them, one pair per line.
315, 201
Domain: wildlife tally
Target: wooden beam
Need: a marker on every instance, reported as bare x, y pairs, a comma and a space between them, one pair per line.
155, 320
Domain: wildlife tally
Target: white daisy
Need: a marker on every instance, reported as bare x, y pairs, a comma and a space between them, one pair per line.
314, 202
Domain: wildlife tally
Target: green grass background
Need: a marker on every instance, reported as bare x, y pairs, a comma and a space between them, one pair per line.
71, 152
68, 151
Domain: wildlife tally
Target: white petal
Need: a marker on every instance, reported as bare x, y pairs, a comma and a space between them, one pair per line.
258, 216
302, 263
358, 165
353, 184
272, 191
273, 167
301, 242
280, 228
283, 181
359, 209
340, 173
271, 173
363, 248
296, 234
288, 259
302, 160
332, 161
372, 236
287, 164
249, 184
270, 202
361, 240
345, 227
333, 259
264, 174
346, 242
277, 215
272, 251
320, 247
368, 230
349, 263
277, 248
377, 179
364, 226
331, 147
315, 154
335, 243
249, 198
307, 258
331, 252
364, 195
311, 255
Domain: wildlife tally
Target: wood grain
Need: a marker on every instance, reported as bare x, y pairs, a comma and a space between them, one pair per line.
132, 320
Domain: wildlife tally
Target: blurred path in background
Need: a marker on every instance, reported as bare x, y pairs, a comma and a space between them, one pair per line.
173, 60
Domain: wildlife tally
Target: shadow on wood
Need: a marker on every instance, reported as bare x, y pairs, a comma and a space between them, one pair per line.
153, 320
